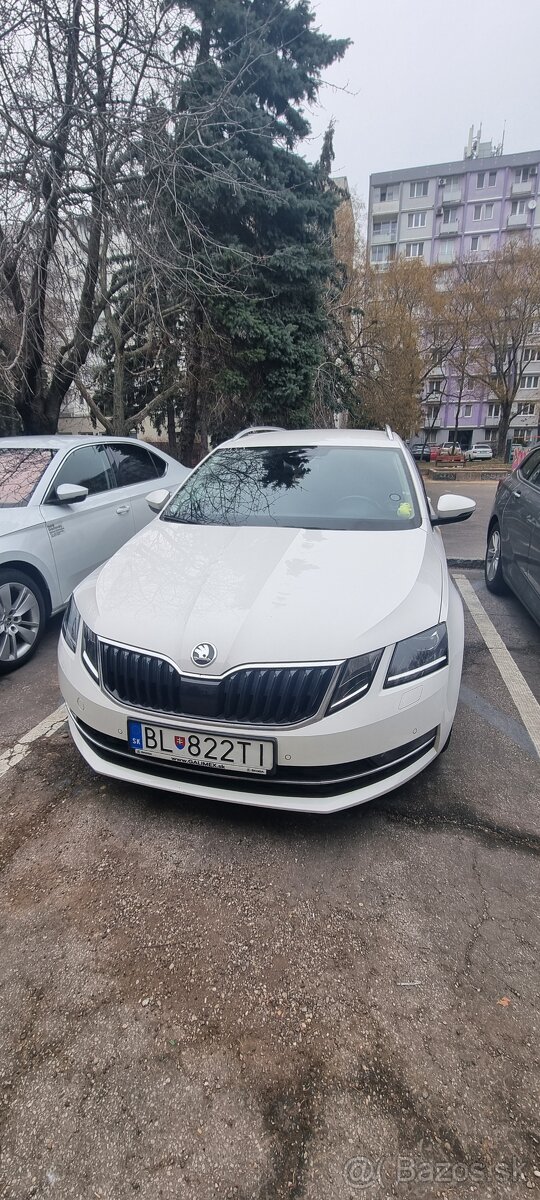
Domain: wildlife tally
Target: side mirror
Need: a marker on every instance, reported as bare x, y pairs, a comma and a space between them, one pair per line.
453, 508
70, 493
157, 500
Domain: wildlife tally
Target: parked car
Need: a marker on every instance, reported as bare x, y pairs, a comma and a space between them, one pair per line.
479, 450
420, 450
66, 504
285, 633
513, 542
448, 452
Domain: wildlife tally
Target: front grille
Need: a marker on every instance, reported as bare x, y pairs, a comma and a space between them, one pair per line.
250, 696
285, 781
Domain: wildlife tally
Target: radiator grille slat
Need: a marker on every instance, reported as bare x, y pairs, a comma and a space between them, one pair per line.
251, 695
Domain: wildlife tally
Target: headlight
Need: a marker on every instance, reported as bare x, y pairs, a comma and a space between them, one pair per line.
355, 679
70, 625
90, 652
418, 656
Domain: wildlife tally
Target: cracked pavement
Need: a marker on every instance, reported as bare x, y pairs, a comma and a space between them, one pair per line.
199, 1000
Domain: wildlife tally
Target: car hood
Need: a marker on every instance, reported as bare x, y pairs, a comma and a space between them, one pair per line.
265, 595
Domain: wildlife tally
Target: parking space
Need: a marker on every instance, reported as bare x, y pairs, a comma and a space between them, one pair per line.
199, 1000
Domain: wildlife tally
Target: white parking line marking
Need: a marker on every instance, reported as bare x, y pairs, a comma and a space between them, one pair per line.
524, 700
46, 728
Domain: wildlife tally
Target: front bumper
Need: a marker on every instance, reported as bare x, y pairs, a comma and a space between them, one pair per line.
352, 756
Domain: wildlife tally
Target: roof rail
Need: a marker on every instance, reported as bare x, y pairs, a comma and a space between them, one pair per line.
258, 429
389, 433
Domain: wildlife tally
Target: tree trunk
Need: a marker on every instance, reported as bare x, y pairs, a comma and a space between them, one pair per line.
118, 415
193, 382
171, 426
504, 425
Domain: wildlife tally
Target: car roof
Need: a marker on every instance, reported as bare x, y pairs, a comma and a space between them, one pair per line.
316, 437
62, 441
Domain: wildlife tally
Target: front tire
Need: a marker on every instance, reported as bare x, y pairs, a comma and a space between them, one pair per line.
493, 562
23, 616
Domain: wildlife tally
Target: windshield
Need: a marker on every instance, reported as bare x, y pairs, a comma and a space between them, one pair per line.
306, 487
21, 469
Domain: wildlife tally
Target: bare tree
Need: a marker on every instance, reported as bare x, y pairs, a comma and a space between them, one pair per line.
506, 293
405, 334
91, 138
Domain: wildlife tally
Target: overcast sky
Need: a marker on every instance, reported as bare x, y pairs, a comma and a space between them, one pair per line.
420, 73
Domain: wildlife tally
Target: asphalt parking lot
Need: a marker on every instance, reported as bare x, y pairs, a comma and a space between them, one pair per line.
201, 1001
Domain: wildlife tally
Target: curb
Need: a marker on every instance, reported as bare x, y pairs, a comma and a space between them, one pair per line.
464, 563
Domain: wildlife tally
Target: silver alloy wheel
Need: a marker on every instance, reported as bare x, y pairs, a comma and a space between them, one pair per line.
493, 556
19, 621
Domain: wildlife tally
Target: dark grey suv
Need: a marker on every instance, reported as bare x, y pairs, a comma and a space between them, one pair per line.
513, 545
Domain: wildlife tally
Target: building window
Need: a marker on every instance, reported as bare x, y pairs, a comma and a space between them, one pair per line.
486, 179
432, 413
384, 228
530, 382
475, 243
449, 215
447, 250
435, 385
491, 435
519, 207
382, 254
483, 212
467, 410
414, 250
525, 410
416, 220
418, 189
531, 354
389, 192
494, 410
523, 435
524, 174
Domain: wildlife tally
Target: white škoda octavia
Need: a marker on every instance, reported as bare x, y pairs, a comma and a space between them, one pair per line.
285, 633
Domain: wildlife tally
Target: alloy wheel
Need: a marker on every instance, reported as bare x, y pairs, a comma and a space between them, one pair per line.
493, 556
19, 621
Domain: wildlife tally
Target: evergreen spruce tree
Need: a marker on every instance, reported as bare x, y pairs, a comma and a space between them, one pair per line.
256, 214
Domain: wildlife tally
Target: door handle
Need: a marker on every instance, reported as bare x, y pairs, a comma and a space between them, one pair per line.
124, 508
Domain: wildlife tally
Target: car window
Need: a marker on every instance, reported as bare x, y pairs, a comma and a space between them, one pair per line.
529, 468
131, 464
87, 466
534, 476
159, 463
302, 487
21, 469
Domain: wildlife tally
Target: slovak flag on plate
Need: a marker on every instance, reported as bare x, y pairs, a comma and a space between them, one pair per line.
179, 742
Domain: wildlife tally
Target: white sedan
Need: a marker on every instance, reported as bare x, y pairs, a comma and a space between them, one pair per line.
66, 504
479, 451
285, 633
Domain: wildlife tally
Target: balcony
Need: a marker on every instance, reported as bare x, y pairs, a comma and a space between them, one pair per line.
517, 221
385, 208
524, 189
436, 423
380, 238
492, 422
449, 229
452, 195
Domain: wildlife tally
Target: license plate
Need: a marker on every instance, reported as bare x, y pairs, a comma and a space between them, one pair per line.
202, 749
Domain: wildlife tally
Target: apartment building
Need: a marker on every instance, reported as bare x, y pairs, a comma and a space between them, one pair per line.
450, 210
447, 211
